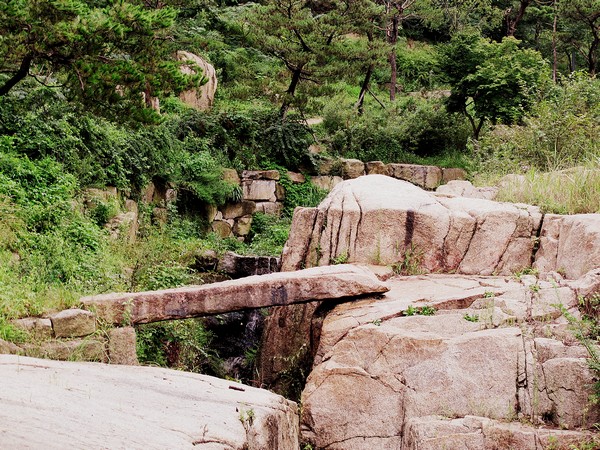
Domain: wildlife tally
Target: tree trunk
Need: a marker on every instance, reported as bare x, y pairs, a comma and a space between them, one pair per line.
475, 126
394, 75
18, 76
592, 54
291, 90
392, 38
554, 55
513, 23
364, 88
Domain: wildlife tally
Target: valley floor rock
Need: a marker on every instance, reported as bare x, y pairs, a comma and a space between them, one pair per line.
66, 405
497, 348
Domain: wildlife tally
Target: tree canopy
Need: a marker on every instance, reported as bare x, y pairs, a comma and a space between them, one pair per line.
106, 52
494, 81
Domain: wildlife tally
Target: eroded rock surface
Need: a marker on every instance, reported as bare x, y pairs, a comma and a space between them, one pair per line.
472, 432
463, 188
569, 244
376, 219
63, 405
496, 348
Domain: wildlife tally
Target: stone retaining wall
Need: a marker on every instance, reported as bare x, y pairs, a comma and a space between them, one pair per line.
261, 191
74, 334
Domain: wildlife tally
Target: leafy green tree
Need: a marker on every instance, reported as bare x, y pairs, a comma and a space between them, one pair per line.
397, 12
288, 30
458, 16
308, 37
106, 52
582, 18
491, 81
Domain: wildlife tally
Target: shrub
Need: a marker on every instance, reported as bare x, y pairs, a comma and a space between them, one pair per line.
268, 234
182, 344
412, 127
560, 132
299, 194
201, 175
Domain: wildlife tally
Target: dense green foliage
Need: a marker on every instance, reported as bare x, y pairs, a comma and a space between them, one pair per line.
107, 53
494, 81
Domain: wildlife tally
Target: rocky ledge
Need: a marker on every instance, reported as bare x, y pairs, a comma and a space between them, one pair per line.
494, 366
63, 405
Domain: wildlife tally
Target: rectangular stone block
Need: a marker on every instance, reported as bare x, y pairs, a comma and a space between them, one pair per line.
71, 350
297, 178
36, 327
235, 210
377, 168
73, 323
452, 173
427, 177
122, 346
231, 176
273, 208
259, 190
326, 182
260, 175
352, 168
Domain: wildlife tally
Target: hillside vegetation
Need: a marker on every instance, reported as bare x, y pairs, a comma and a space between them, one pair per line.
494, 86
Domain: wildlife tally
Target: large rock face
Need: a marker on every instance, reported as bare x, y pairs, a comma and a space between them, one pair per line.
376, 219
491, 350
61, 405
203, 97
380, 220
569, 244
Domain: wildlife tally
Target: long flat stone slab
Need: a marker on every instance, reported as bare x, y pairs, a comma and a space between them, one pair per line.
276, 289
73, 405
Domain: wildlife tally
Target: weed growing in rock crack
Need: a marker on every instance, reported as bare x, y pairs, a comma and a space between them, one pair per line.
420, 311
340, 259
471, 317
534, 288
247, 416
376, 322
488, 294
411, 262
525, 271
587, 444
377, 254
487, 317
587, 331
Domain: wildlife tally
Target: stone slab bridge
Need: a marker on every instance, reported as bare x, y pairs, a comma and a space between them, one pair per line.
77, 332
260, 291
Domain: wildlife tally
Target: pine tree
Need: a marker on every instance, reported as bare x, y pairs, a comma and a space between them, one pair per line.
106, 53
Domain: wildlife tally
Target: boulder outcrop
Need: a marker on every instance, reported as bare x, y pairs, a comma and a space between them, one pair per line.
463, 188
569, 244
376, 219
379, 220
492, 349
203, 97
58, 405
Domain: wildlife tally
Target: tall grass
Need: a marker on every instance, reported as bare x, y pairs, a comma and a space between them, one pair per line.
570, 191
